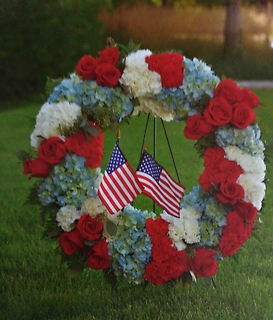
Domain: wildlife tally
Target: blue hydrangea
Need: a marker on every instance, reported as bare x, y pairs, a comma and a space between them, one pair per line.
90, 95
69, 183
131, 250
247, 139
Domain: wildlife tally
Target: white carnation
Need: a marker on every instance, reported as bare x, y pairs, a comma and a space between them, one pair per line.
137, 78
51, 117
155, 108
93, 206
249, 163
184, 230
66, 217
254, 188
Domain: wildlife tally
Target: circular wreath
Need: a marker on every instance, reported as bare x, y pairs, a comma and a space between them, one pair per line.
216, 217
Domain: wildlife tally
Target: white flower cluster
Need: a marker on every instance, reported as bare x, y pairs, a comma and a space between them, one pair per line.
252, 178
137, 78
51, 118
66, 217
184, 230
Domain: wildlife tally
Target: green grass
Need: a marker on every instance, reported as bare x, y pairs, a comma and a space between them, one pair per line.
33, 287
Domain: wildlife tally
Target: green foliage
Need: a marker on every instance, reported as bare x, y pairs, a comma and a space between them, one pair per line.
44, 38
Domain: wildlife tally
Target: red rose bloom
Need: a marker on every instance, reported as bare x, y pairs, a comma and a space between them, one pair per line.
91, 149
229, 90
231, 192
99, 257
86, 67
218, 112
109, 55
52, 150
107, 75
242, 115
71, 242
204, 263
246, 210
36, 168
196, 127
89, 227
250, 98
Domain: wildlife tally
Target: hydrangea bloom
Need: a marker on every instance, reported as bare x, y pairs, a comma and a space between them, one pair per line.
69, 183
131, 249
66, 217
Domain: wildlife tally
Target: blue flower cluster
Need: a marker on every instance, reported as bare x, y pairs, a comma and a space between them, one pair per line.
69, 183
247, 139
131, 249
213, 214
199, 79
90, 95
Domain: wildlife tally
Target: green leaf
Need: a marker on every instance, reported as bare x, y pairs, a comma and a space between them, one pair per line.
111, 278
111, 228
93, 131
22, 155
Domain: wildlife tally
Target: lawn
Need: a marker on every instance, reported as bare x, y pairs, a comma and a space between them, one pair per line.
33, 287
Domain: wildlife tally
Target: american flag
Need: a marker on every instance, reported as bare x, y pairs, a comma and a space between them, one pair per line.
119, 185
159, 185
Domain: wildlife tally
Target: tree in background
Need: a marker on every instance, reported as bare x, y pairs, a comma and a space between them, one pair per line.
41, 38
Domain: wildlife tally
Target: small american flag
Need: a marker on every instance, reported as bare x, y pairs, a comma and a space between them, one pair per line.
119, 185
159, 185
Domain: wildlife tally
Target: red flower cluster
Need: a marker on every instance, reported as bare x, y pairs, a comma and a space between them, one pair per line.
88, 229
238, 229
169, 66
52, 150
221, 175
169, 263
230, 104
103, 69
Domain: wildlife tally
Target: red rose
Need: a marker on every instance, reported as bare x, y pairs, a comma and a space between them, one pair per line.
231, 192
89, 227
86, 67
242, 115
36, 168
99, 257
91, 149
204, 264
196, 127
250, 98
218, 112
109, 55
229, 90
71, 242
52, 150
107, 75
246, 210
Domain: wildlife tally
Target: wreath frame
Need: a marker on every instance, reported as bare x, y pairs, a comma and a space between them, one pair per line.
216, 217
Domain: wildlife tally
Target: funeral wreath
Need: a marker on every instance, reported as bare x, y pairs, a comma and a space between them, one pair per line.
90, 211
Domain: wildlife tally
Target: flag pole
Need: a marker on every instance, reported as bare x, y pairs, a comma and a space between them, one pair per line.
171, 152
154, 152
144, 136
